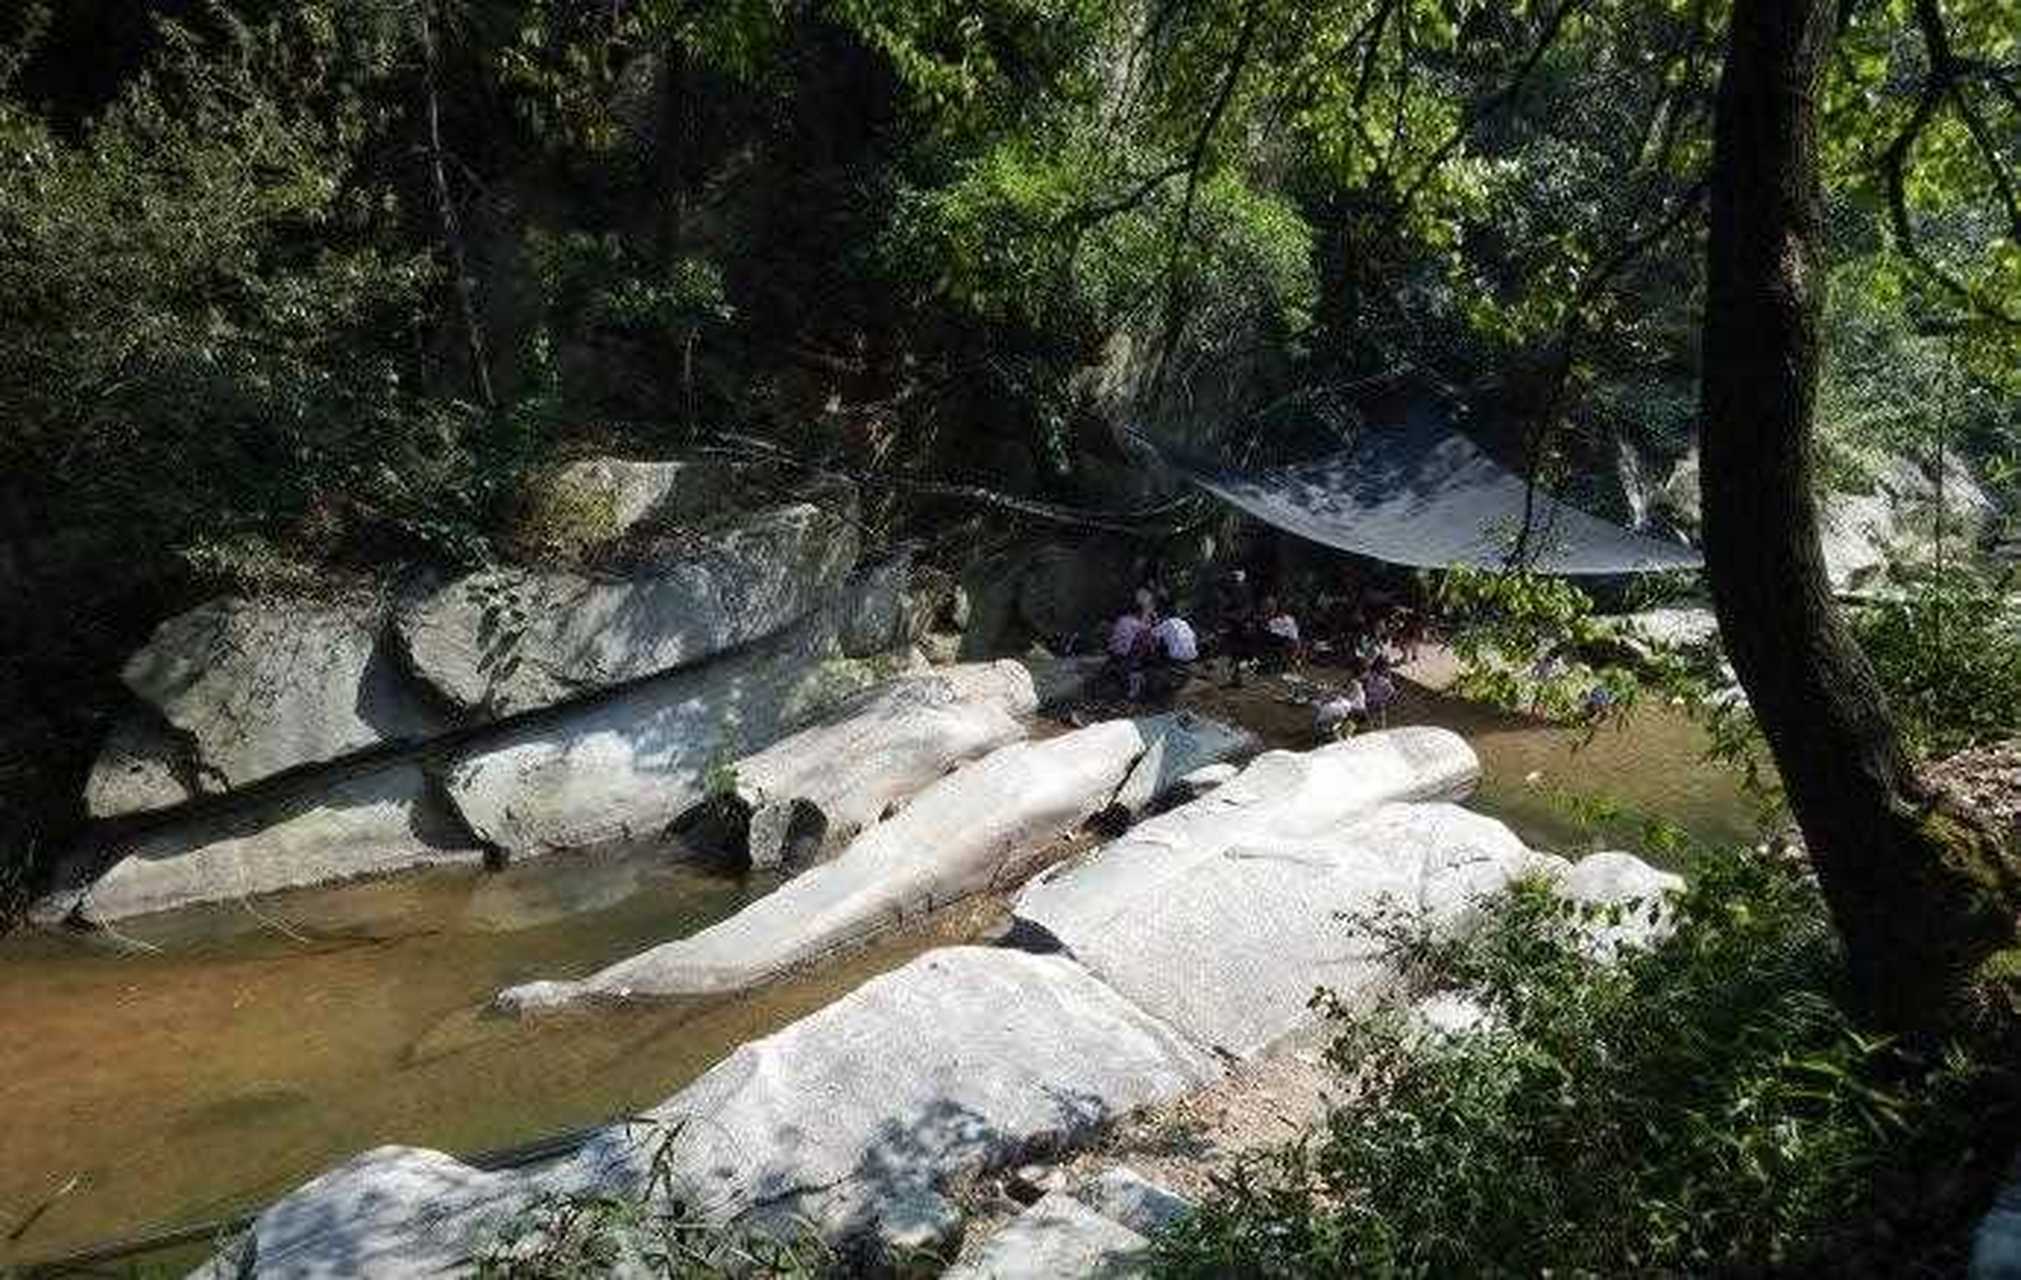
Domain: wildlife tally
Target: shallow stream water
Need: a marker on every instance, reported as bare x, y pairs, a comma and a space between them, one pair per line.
259, 1044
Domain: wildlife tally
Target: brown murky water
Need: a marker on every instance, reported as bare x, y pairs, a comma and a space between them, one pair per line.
253, 1050
178, 1087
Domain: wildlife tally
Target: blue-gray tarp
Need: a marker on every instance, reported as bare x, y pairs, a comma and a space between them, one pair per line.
1422, 494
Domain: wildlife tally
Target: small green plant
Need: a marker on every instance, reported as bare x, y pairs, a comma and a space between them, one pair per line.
1949, 654
1702, 1107
653, 1229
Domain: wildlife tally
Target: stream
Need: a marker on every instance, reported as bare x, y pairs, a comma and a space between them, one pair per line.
249, 1048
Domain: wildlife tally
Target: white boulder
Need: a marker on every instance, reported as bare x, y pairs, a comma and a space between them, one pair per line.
259, 687
1225, 932
507, 640
143, 766
370, 824
627, 766
974, 829
835, 778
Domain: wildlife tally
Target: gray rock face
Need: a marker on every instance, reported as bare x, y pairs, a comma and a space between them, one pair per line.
143, 766
1002, 1054
826, 783
876, 613
821, 1124
261, 687
1228, 939
962, 835
1133, 1200
631, 764
372, 824
1187, 744
391, 1211
1059, 1238
503, 641
586, 504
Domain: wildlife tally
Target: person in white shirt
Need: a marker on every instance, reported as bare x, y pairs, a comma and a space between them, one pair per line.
1129, 644
1281, 641
1174, 649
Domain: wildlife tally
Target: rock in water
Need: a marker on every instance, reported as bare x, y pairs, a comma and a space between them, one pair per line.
872, 752
629, 765
371, 824
960, 836
1229, 946
1221, 916
1187, 744
508, 640
854, 1120
259, 687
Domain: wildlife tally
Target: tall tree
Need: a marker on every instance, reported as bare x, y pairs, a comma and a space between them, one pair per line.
1925, 898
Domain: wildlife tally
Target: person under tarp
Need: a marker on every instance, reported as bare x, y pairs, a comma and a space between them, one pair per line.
1423, 495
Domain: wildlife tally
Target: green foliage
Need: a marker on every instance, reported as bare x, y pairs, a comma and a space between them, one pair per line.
1705, 1107
1949, 654
659, 1231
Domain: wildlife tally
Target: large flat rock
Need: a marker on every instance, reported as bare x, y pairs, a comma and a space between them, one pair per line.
854, 1116
1280, 794
259, 687
966, 1058
371, 824
823, 784
506, 640
968, 832
1229, 946
628, 765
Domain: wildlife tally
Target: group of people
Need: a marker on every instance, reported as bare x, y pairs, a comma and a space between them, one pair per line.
1151, 653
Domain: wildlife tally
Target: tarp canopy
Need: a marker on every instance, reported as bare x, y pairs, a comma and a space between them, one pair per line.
1422, 494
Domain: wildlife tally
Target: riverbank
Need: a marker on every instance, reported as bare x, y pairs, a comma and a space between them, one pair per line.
271, 1037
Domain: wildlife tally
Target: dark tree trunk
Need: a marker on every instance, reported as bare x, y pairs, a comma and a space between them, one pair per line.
1922, 896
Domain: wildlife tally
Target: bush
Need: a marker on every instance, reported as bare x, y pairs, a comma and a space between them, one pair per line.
1705, 1107
1949, 655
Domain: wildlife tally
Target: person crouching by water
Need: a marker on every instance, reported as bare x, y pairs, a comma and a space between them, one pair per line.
1341, 714
1174, 650
1129, 645
1378, 691
1282, 645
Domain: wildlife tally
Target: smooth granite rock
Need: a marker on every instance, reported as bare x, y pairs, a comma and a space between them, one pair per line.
627, 766
1226, 935
1187, 744
974, 829
507, 640
371, 824
1128, 1197
259, 687
964, 1059
1628, 900
823, 784
1059, 1238
143, 766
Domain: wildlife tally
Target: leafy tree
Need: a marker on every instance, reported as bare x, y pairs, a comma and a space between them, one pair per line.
1923, 896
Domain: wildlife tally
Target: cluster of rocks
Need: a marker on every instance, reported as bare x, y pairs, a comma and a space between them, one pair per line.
1139, 974
503, 712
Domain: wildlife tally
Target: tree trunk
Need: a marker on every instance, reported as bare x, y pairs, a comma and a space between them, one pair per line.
452, 231
1923, 897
